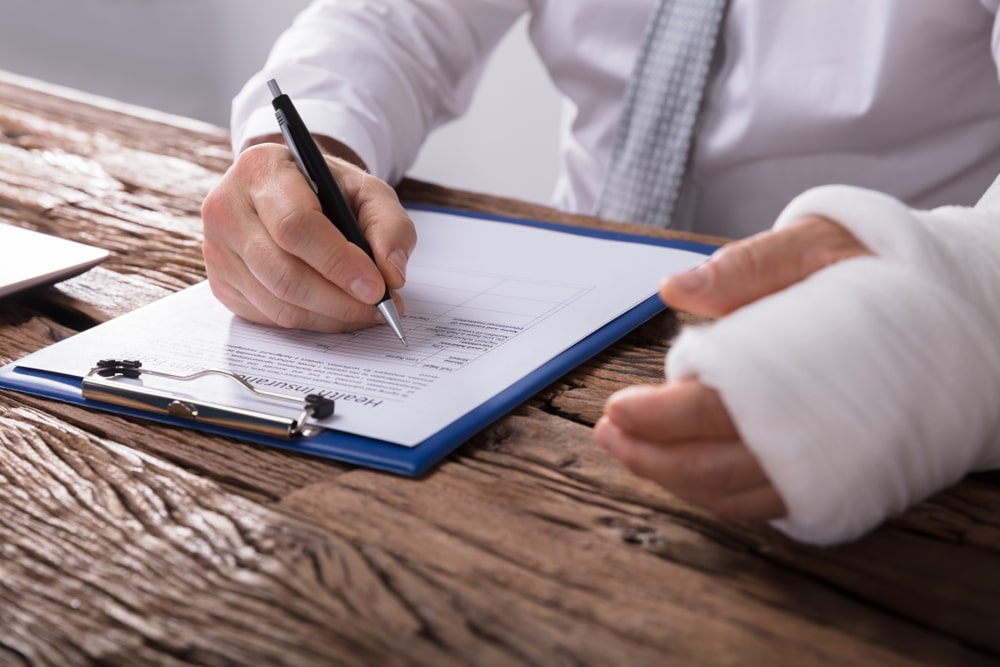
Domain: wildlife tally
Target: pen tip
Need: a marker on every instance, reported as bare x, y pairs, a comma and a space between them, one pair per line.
391, 316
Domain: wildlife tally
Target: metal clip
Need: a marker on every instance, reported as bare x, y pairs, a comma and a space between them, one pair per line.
100, 384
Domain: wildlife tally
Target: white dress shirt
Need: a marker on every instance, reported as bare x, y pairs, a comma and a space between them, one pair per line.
897, 95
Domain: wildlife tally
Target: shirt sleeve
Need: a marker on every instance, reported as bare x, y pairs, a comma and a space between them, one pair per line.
873, 383
377, 75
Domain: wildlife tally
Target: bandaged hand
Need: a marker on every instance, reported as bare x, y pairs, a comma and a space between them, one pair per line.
860, 388
680, 434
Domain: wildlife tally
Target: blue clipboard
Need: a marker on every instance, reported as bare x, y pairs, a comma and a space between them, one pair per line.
377, 454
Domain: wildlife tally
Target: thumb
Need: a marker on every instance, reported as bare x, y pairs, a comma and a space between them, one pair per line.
747, 270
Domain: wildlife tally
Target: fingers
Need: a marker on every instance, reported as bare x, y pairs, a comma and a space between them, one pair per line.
242, 292
273, 257
294, 220
681, 436
747, 270
672, 412
385, 224
294, 227
721, 476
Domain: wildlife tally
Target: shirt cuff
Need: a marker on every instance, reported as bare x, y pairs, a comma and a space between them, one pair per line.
322, 119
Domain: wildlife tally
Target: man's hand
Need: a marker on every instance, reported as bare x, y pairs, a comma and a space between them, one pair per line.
272, 256
680, 434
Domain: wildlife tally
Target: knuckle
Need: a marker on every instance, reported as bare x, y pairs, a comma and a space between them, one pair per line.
333, 262
212, 205
227, 295
355, 318
745, 258
377, 189
732, 266
825, 242
627, 454
704, 473
256, 159
288, 316
218, 264
213, 255
290, 227
349, 175
286, 285
217, 210
280, 275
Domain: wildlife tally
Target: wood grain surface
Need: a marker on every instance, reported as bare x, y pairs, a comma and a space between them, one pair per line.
123, 542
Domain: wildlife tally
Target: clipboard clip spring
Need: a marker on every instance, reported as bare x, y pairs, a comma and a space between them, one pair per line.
99, 384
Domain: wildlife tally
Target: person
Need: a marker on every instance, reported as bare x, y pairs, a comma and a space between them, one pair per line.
850, 371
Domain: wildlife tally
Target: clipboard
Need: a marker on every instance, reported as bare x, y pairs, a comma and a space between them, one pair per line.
116, 390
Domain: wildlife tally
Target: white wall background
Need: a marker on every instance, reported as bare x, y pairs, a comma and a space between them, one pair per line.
191, 56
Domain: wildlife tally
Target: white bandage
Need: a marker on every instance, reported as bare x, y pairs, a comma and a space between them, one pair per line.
874, 382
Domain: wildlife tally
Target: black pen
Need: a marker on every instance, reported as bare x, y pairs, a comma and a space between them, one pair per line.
331, 199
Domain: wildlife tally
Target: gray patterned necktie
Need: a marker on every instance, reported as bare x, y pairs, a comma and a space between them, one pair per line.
660, 111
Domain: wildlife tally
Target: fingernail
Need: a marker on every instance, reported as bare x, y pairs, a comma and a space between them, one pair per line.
367, 291
601, 431
398, 259
693, 280
608, 435
617, 415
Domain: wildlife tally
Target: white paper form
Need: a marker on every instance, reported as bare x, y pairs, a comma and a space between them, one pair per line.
487, 303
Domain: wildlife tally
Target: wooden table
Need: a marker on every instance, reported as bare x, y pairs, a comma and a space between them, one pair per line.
123, 542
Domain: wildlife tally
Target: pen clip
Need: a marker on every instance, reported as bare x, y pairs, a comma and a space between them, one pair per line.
286, 133
102, 383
